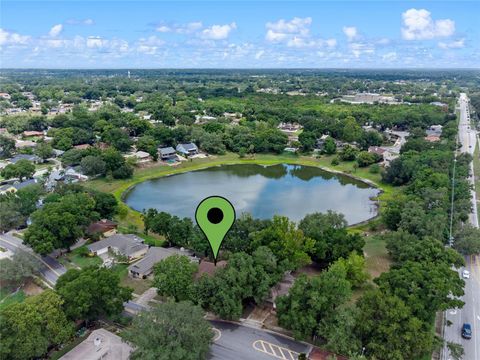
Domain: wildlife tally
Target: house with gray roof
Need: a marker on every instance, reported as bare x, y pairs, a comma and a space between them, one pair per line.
167, 153
128, 245
144, 267
187, 149
101, 344
33, 158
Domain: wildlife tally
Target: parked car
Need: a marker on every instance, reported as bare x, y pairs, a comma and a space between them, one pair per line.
466, 274
467, 331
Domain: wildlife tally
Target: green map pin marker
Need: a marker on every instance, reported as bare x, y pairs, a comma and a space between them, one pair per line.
215, 215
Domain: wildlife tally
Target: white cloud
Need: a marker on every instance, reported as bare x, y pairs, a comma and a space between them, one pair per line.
350, 32
331, 42
391, 56
457, 44
55, 30
419, 25
188, 28
95, 42
149, 45
259, 54
218, 32
11, 38
86, 22
358, 49
283, 30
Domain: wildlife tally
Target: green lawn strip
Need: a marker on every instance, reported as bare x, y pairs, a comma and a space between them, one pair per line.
476, 169
7, 298
376, 256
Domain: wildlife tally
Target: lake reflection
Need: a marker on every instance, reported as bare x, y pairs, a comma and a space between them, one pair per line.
263, 191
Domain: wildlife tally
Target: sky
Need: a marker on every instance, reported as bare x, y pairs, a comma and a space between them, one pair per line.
239, 34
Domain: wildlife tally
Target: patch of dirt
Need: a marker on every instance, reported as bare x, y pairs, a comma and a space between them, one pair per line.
30, 288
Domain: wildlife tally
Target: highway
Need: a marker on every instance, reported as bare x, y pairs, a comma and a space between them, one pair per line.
471, 311
50, 269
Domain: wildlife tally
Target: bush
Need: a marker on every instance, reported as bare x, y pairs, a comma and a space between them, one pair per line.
335, 161
374, 169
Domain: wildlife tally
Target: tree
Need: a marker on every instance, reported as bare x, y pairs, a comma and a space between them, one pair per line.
467, 240
351, 130
289, 244
388, 329
21, 169
307, 139
329, 147
355, 268
44, 150
174, 277
30, 328
312, 299
7, 147
17, 270
348, 153
91, 293
426, 287
93, 165
332, 240
170, 331
60, 224
364, 158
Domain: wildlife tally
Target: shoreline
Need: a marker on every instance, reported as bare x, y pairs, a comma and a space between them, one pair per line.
122, 187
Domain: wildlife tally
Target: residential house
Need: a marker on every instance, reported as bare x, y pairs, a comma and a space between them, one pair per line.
82, 146
167, 153
57, 152
432, 138
103, 227
33, 158
319, 143
434, 130
376, 150
100, 345
14, 187
5, 96
144, 267
141, 157
187, 149
71, 175
209, 268
22, 144
27, 134
128, 245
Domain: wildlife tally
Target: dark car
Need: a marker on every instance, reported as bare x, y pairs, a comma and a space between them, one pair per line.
467, 331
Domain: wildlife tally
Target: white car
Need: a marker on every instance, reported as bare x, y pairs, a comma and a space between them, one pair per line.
466, 274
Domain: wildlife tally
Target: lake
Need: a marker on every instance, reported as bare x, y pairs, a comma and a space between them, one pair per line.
263, 191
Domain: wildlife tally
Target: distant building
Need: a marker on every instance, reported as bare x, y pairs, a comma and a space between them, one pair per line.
82, 146
144, 267
5, 96
141, 156
21, 144
167, 153
187, 149
434, 130
376, 150
100, 345
280, 289
32, 134
432, 138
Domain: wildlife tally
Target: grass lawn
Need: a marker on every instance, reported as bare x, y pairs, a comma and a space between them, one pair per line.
6, 298
139, 286
376, 256
83, 261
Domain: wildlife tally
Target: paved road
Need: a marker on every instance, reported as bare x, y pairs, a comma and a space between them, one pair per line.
50, 268
471, 311
238, 342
